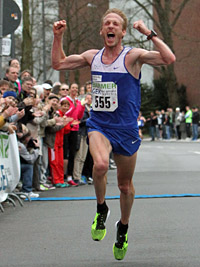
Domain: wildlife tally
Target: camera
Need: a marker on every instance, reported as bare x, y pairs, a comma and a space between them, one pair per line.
31, 144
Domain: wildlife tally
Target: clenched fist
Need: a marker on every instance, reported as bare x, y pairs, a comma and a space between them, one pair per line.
59, 27
141, 27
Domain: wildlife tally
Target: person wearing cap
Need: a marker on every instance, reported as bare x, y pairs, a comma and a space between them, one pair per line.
47, 90
10, 97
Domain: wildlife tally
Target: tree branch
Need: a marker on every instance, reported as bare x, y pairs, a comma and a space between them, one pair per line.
182, 5
147, 12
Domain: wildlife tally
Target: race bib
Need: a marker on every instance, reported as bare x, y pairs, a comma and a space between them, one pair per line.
104, 96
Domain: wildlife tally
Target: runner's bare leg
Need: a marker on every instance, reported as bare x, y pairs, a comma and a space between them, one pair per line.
125, 171
100, 149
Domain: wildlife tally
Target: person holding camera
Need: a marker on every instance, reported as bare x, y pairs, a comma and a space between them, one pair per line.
29, 152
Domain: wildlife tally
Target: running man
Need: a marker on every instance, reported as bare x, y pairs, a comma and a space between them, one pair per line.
113, 125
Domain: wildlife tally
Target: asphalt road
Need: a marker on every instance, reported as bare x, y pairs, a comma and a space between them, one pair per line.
163, 231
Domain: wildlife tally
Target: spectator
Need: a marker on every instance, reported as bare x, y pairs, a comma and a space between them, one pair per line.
14, 63
27, 84
195, 123
88, 89
70, 140
178, 120
8, 112
54, 141
56, 89
47, 90
12, 76
81, 93
163, 125
25, 73
141, 121
83, 146
5, 86
28, 151
159, 124
188, 121
167, 125
49, 82
64, 90
152, 125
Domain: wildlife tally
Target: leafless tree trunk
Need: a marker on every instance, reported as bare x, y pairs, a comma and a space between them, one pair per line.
27, 60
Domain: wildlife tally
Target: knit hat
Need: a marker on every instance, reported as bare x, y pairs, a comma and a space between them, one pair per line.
9, 93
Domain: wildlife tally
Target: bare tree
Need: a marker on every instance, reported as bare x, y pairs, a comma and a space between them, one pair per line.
26, 60
83, 24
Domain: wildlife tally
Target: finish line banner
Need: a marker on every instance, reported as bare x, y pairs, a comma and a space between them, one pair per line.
9, 164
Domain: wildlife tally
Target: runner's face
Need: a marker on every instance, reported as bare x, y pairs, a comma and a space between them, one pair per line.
111, 30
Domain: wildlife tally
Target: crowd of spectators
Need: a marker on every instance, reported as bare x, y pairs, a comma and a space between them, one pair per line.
50, 123
168, 124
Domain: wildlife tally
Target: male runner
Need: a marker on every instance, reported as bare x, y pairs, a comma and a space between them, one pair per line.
116, 102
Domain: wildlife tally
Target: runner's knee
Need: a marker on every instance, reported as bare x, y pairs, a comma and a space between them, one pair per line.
127, 189
101, 166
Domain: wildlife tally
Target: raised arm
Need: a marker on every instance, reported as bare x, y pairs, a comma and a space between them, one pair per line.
59, 60
163, 55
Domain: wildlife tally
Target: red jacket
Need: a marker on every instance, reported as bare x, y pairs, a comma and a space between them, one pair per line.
76, 112
67, 127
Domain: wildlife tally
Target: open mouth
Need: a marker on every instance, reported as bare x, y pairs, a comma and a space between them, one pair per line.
110, 35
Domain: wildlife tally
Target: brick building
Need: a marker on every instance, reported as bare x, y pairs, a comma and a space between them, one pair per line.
187, 47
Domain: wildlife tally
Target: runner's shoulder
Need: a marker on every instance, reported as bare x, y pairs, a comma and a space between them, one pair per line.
135, 52
133, 56
89, 54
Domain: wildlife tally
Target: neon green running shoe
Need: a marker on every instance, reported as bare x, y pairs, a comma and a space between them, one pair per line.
98, 229
121, 245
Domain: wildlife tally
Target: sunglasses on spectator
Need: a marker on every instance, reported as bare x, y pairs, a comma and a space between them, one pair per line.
63, 89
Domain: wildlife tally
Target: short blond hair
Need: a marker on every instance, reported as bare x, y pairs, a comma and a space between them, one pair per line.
118, 12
